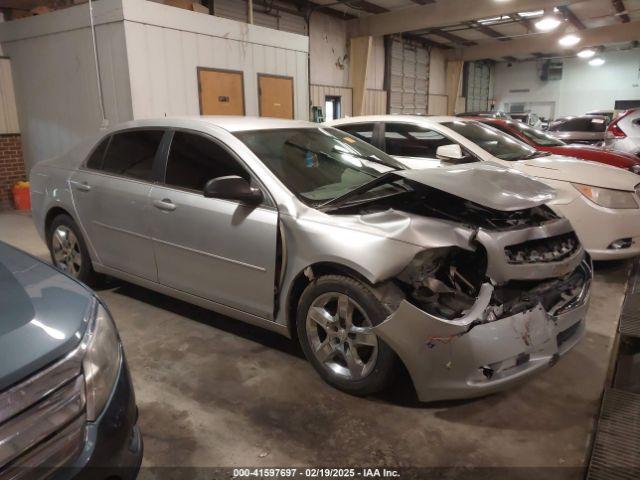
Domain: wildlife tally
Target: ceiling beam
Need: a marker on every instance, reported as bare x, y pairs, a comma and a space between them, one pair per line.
451, 37
427, 41
621, 11
548, 42
365, 5
435, 15
488, 31
571, 17
423, 2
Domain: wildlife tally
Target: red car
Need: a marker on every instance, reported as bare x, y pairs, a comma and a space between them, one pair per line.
546, 143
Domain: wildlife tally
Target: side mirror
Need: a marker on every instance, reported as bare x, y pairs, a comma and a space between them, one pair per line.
450, 152
233, 187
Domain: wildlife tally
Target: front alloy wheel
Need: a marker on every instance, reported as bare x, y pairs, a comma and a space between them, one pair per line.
339, 332
336, 318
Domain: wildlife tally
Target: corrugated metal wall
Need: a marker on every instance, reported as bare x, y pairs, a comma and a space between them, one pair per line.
409, 82
318, 93
164, 53
375, 102
271, 17
8, 111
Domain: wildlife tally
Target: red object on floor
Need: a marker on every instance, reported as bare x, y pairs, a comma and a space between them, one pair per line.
21, 198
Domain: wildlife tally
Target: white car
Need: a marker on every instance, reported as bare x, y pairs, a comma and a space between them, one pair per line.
602, 202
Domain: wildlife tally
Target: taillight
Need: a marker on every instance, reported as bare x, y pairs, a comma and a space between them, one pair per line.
614, 131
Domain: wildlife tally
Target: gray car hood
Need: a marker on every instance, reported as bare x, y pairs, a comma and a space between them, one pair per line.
42, 314
485, 183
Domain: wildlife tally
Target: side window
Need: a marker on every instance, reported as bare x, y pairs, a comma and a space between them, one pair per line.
132, 153
406, 140
95, 160
363, 131
194, 160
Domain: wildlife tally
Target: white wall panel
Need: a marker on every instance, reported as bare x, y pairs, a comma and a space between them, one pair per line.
581, 89
56, 88
8, 111
163, 66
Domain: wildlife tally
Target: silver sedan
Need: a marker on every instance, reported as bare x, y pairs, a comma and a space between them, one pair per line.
462, 274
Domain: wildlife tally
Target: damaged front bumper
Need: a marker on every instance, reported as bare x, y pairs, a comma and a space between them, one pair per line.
464, 358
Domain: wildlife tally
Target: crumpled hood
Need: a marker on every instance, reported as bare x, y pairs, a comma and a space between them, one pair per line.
42, 314
485, 183
568, 169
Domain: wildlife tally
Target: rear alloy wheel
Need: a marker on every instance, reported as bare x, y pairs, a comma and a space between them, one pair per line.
65, 250
335, 322
68, 250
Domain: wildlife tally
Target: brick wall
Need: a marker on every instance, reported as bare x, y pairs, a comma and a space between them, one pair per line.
11, 168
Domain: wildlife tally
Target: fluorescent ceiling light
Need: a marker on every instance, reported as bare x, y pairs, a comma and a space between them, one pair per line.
569, 40
532, 13
586, 53
547, 24
596, 62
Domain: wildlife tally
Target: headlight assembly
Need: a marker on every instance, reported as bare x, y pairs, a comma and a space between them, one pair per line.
101, 361
606, 197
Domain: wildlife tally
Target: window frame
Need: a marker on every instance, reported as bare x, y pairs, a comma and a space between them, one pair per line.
268, 200
465, 150
157, 159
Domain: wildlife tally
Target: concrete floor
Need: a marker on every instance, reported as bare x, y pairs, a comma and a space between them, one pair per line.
216, 392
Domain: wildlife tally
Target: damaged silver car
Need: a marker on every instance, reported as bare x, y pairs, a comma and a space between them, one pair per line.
462, 274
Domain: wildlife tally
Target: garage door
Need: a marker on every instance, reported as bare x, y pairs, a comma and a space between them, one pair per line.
221, 92
478, 82
409, 82
276, 96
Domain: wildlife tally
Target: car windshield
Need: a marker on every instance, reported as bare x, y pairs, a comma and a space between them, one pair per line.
321, 164
495, 142
538, 136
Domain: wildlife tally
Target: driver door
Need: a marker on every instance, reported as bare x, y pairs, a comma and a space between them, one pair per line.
216, 249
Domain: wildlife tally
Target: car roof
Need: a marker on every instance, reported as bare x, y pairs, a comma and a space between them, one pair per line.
227, 122
395, 118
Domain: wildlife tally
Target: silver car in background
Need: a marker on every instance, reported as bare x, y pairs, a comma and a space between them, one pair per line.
462, 274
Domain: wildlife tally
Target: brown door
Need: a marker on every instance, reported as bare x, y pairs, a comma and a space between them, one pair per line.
221, 92
276, 96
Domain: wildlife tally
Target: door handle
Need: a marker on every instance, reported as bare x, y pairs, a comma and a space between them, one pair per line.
82, 186
164, 204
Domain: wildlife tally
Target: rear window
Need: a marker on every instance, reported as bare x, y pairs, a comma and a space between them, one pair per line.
132, 153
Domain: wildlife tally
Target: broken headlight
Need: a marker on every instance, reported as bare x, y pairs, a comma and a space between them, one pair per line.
606, 197
444, 281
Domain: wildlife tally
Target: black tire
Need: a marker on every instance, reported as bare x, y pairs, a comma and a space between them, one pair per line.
385, 368
85, 273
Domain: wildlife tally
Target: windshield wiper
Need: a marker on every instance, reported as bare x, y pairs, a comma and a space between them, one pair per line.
388, 177
537, 153
371, 158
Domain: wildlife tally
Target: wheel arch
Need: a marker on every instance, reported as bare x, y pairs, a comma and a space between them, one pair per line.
301, 281
52, 213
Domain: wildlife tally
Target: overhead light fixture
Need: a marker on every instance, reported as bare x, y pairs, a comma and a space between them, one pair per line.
596, 62
586, 53
547, 23
569, 40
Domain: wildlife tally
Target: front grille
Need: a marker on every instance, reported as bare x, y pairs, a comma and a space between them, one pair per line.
544, 250
42, 420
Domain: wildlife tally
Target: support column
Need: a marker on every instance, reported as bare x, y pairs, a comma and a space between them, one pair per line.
454, 73
358, 67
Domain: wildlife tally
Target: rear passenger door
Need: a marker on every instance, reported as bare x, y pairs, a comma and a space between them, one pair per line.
413, 145
111, 193
221, 250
